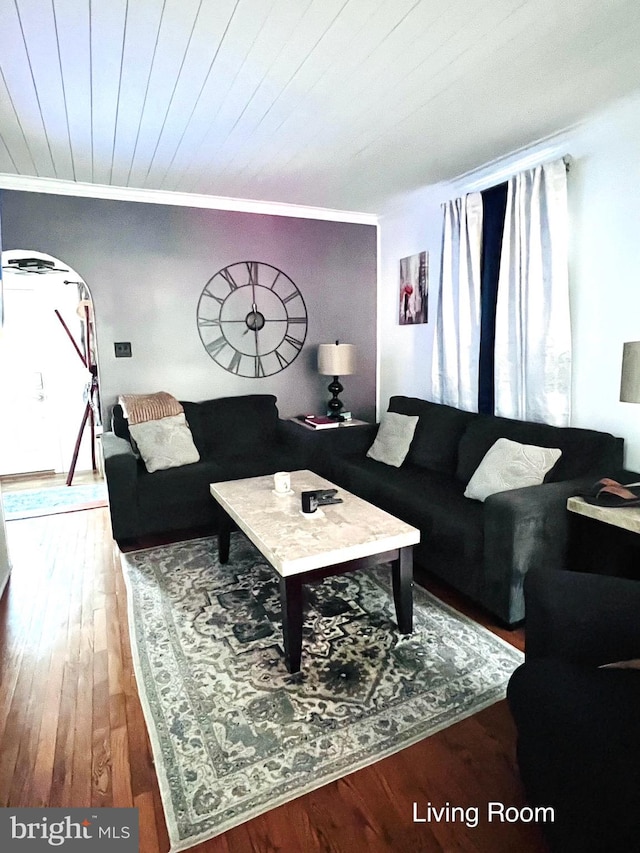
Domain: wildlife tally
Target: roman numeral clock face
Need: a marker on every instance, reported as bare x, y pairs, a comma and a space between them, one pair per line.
252, 319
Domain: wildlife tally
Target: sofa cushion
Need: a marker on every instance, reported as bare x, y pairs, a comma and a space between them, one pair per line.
510, 465
394, 436
226, 424
175, 486
120, 425
578, 741
192, 412
237, 425
268, 461
165, 442
189, 484
583, 450
432, 501
437, 435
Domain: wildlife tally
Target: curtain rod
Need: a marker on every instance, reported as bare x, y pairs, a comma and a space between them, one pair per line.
501, 177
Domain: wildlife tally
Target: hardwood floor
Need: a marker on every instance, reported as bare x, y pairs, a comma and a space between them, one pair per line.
72, 731
46, 479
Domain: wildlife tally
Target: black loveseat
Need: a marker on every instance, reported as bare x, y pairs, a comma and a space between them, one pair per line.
578, 724
235, 436
484, 550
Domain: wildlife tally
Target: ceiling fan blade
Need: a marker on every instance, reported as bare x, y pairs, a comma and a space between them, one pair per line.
38, 266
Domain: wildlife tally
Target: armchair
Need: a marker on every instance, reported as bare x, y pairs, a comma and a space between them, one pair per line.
579, 723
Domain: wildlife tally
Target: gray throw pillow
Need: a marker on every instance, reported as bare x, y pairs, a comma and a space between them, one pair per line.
510, 465
393, 439
165, 443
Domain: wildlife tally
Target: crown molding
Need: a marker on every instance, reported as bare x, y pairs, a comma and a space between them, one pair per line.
55, 186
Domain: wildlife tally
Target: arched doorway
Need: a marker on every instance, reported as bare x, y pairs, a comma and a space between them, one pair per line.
43, 382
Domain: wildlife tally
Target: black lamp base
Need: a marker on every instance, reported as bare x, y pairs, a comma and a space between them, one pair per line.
335, 405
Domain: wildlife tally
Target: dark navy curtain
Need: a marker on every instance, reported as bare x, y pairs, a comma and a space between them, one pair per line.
494, 204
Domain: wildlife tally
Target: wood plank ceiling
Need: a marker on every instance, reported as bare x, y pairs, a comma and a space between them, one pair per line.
337, 103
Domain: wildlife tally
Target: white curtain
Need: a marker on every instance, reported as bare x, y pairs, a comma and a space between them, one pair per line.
457, 334
533, 331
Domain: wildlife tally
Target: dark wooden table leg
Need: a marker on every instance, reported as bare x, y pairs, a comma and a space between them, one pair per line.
402, 573
291, 602
224, 537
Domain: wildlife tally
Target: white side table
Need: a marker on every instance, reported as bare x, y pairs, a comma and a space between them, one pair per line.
604, 540
626, 517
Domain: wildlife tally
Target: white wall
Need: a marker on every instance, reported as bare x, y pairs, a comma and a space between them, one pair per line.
412, 224
604, 188
147, 264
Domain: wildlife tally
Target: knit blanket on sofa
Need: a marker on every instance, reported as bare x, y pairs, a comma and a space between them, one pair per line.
159, 430
138, 408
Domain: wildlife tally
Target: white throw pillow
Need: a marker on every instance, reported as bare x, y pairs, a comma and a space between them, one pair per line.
510, 465
165, 443
393, 438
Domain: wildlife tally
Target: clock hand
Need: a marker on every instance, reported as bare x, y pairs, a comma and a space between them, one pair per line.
254, 308
254, 322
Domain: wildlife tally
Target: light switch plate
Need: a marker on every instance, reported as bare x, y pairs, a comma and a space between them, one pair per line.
122, 349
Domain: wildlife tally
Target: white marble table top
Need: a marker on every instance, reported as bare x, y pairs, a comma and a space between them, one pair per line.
626, 517
293, 542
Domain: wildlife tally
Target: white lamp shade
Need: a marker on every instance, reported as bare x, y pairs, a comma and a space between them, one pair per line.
336, 359
630, 381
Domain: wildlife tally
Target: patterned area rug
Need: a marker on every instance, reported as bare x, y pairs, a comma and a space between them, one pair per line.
31, 503
233, 733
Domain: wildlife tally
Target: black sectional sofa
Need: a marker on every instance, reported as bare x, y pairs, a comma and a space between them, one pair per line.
578, 722
483, 549
235, 436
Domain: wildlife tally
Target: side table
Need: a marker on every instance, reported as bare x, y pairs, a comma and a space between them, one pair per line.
604, 540
323, 448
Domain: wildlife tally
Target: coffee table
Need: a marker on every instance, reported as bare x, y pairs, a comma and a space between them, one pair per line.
335, 539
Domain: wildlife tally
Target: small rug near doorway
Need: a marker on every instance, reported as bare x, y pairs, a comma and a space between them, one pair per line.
31, 503
233, 733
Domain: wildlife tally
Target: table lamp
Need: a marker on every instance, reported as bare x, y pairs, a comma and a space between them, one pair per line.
336, 360
630, 379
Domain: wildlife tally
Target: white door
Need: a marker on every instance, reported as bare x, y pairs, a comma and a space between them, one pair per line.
26, 440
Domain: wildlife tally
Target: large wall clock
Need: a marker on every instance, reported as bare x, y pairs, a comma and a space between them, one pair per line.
252, 319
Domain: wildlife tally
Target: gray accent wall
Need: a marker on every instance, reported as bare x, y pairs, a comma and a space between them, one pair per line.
146, 266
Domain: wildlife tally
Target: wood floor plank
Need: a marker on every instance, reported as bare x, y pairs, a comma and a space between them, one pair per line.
120, 772
161, 825
62, 778
45, 757
114, 645
149, 841
101, 790
23, 606
72, 731
8, 759
61, 783
82, 760
41, 648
